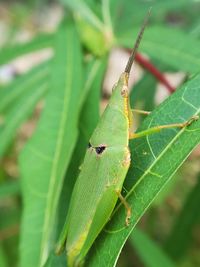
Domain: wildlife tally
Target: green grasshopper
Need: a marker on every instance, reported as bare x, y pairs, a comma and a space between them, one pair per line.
103, 171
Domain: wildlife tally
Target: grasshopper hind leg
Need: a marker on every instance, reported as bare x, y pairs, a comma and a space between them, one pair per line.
142, 112
126, 205
158, 128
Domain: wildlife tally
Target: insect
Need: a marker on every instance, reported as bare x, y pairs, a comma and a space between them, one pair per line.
103, 171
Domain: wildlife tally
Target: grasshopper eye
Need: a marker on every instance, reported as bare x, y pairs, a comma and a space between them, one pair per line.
100, 149
124, 91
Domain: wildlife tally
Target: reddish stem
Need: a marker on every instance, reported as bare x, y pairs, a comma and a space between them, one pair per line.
146, 64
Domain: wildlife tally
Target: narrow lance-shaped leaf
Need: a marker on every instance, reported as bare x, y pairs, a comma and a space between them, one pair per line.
12, 52
23, 103
172, 47
9, 189
3, 262
14, 91
149, 252
154, 159
123, 15
17, 115
44, 160
144, 93
93, 78
181, 234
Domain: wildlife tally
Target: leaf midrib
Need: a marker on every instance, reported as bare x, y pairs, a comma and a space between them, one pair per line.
152, 165
160, 156
56, 157
165, 150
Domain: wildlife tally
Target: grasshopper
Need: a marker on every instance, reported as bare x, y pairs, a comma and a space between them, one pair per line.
103, 171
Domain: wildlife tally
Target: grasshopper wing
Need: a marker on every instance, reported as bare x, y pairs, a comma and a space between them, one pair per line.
103, 172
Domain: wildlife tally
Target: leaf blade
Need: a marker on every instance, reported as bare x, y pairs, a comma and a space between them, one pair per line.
150, 253
172, 47
19, 112
15, 90
153, 163
8, 189
12, 52
181, 233
49, 150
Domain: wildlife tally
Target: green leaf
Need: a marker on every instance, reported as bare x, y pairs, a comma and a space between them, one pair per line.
181, 234
10, 217
143, 93
126, 14
14, 91
3, 261
8, 189
169, 46
44, 160
30, 93
10, 210
154, 159
12, 52
81, 8
90, 105
55, 261
148, 251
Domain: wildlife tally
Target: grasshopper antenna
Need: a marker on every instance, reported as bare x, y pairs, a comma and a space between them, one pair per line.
139, 37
